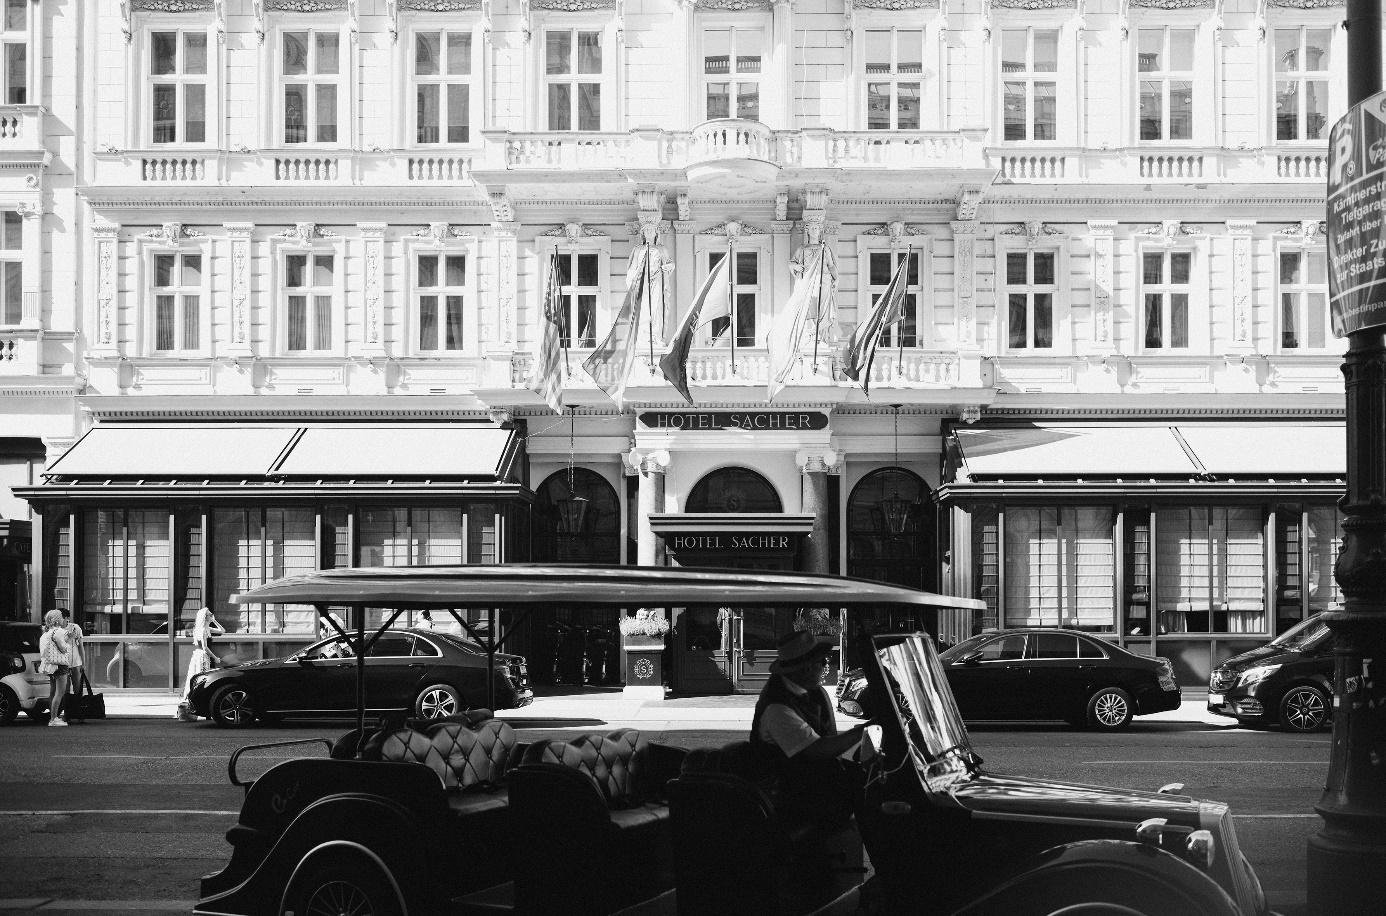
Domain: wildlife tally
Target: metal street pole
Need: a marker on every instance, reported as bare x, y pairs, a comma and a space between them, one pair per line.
1347, 857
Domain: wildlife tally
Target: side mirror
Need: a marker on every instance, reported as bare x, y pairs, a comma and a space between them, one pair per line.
303, 659
968, 658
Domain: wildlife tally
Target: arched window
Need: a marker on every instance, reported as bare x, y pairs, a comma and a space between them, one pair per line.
569, 530
733, 490
890, 529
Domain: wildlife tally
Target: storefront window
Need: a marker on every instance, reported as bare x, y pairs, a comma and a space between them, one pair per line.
986, 558
1325, 543
1211, 569
733, 490
255, 546
411, 537
1137, 571
573, 531
125, 586
1060, 568
874, 550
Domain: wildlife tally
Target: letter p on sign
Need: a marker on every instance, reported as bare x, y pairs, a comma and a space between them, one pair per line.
1342, 156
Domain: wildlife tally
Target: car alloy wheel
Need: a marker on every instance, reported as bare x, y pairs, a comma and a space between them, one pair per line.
231, 707
1304, 709
437, 702
9, 705
1109, 709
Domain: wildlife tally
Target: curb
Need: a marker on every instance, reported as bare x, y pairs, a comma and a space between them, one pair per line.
51, 905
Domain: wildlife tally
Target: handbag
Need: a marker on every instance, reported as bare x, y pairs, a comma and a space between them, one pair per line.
86, 704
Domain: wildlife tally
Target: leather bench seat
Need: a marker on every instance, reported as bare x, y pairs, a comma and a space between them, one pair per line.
645, 816
467, 804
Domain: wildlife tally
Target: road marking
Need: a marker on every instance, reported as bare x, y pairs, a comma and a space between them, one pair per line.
1274, 815
162, 757
1213, 762
114, 811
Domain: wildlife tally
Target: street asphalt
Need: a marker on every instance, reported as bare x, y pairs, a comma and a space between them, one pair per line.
124, 815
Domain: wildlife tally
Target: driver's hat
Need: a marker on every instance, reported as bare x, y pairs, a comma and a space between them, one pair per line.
797, 649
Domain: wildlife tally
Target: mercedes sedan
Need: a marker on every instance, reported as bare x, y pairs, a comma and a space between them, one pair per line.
424, 673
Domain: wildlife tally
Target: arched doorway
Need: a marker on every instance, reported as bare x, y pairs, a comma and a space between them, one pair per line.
890, 538
733, 490
577, 519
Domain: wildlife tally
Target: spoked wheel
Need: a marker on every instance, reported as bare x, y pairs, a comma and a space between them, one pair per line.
1096, 909
232, 707
1304, 709
342, 886
339, 898
1109, 709
438, 701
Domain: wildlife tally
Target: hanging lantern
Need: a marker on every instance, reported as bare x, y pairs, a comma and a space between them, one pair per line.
896, 512
572, 512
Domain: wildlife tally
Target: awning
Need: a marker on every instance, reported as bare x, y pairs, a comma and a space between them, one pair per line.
731, 522
1191, 450
259, 453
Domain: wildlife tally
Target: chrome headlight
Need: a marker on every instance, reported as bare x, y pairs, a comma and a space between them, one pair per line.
1257, 674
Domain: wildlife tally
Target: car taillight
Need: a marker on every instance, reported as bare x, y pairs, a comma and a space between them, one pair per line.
1166, 678
11, 663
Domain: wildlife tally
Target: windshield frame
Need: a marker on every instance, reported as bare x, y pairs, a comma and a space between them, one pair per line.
941, 753
1302, 635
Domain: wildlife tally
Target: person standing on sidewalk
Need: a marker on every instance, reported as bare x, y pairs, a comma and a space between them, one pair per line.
76, 672
53, 658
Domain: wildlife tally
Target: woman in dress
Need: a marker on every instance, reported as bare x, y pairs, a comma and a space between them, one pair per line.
53, 661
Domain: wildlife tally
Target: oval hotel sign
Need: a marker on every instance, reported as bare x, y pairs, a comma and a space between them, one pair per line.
758, 420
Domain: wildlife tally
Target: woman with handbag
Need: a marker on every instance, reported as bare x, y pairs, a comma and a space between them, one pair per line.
53, 659
76, 671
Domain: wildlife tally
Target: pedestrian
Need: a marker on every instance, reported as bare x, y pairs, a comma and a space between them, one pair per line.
204, 629
426, 620
53, 658
325, 629
76, 670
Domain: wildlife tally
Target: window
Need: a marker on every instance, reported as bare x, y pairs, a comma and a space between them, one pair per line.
1308, 541
1029, 63
251, 547
178, 81
309, 288
573, 74
1165, 284
1164, 60
1030, 285
1059, 567
412, 537
1004, 649
11, 268
881, 266
1304, 300
1054, 645
177, 302
894, 74
731, 72
1301, 83
311, 77
440, 281
579, 283
442, 77
16, 44
746, 286
1211, 569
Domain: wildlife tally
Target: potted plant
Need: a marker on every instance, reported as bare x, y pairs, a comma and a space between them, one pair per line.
643, 636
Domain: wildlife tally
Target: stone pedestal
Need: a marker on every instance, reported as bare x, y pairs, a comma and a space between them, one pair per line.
644, 668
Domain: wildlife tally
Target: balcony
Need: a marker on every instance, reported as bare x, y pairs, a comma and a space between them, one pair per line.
21, 132
180, 169
20, 352
1159, 165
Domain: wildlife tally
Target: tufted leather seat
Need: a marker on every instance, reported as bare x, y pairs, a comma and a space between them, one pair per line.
592, 810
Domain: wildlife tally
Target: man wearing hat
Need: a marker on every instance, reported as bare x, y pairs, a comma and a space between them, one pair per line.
794, 717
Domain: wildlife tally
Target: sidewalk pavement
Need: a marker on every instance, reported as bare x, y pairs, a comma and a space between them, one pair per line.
609, 709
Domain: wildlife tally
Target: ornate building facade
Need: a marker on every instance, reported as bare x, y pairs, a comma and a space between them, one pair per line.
278, 266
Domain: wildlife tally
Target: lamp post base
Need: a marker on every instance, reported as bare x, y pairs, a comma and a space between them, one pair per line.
1345, 877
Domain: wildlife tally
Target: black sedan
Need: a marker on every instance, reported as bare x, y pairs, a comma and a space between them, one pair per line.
1288, 681
423, 672
1047, 674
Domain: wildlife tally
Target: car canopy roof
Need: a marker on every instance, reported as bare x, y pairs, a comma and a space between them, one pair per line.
528, 585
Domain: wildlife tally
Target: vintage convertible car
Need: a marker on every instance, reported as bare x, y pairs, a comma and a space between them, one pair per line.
457, 817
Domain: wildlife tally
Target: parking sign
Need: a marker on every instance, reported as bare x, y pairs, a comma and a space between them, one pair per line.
1356, 215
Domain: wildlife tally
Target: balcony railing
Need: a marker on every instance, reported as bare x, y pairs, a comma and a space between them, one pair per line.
1160, 165
21, 128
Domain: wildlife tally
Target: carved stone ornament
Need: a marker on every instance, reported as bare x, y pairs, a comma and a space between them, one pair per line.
1032, 229
1309, 229
781, 205
1034, 4
572, 6
685, 209
171, 6
735, 6
437, 233
733, 229
305, 6
969, 199
573, 231
896, 229
1306, 4
1170, 229
439, 6
1174, 4
304, 233
171, 232
501, 210
895, 4
28, 211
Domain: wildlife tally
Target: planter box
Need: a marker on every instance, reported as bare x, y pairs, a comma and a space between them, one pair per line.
644, 669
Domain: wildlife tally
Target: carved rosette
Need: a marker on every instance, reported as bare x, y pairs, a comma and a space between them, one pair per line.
965, 276
1102, 232
239, 233
374, 236
106, 241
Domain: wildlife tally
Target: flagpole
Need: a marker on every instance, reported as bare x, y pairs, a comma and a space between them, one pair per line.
731, 285
562, 312
900, 326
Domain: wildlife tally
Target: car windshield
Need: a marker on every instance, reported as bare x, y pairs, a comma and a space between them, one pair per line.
938, 740
967, 645
1301, 634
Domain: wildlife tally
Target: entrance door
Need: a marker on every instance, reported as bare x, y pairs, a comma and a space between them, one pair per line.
729, 650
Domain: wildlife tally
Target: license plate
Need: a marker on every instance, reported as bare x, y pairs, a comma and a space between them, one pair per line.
1215, 699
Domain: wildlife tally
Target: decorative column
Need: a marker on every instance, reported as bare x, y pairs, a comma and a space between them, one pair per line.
373, 310
965, 282
649, 464
104, 333
1102, 233
1240, 231
498, 330
684, 231
241, 304
31, 237
815, 466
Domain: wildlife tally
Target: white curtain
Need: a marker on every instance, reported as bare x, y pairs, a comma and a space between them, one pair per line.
1211, 560
1060, 567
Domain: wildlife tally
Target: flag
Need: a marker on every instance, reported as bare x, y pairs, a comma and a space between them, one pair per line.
860, 349
547, 378
713, 301
610, 364
812, 301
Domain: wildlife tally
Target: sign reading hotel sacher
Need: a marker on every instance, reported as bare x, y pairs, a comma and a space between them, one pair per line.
1356, 210
723, 541
757, 420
